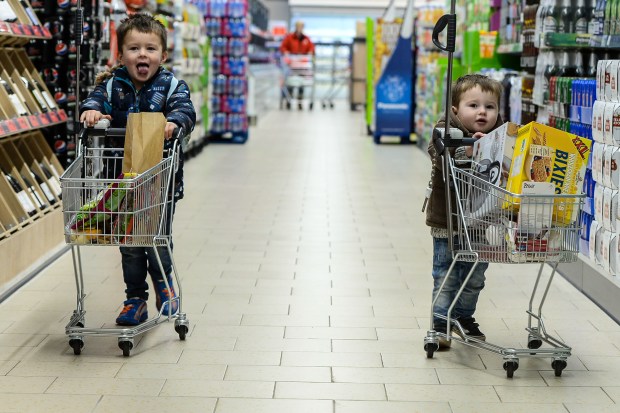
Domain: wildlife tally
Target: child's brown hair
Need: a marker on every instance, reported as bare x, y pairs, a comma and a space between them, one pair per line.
142, 23
467, 82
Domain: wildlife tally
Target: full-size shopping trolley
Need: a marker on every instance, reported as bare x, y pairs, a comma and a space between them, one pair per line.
492, 225
298, 71
129, 210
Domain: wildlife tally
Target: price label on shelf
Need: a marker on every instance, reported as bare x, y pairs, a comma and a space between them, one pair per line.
4, 28
54, 116
62, 115
37, 31
34, 121
46, 32
22, 123
10, 126
27, 30
17, 28
44, 119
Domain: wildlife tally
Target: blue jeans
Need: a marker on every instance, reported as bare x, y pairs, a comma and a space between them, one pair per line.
466, 303
137, 261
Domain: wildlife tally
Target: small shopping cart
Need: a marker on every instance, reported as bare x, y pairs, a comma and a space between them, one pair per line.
298, 71
130, 211
490, 224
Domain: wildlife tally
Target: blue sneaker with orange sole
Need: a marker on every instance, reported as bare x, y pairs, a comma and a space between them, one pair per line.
165, 296
133, 312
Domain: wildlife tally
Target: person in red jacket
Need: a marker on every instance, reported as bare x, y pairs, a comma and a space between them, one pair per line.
296, 43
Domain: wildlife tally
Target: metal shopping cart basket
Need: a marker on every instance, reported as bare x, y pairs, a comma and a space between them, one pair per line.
127, 211
493, 225
298, 70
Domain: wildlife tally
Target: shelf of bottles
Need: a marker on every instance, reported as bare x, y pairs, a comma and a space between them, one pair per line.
228, 24
30, 182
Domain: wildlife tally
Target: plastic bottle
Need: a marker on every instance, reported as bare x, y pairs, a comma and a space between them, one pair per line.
580, 17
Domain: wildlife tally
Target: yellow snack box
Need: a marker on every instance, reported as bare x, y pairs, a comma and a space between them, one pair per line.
546, 154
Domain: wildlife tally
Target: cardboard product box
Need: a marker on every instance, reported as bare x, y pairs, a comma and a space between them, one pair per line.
610, 207
598, 112
545, 154
599, 194
594, 227
611, 81
598, 151
492, 154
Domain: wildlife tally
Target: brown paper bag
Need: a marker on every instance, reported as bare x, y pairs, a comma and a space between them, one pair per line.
144, 141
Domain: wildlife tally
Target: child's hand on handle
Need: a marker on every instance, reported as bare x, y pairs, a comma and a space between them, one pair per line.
469, 150
91, 117
169, 131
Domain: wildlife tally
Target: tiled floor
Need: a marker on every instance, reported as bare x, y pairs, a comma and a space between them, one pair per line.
306, 278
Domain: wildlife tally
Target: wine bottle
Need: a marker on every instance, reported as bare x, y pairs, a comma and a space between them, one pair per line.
32, 16
7, 14
18, 105
51, 180
44, 187
22, 196
580, 17
33, 193
37, 94
49, 100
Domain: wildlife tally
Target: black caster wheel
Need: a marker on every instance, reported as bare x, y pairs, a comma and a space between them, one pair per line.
323, 106
182, 330
80, 324
126, 346
311, 106
430, 349
510, 367
534, 343
331, 105
76, 344
558, 366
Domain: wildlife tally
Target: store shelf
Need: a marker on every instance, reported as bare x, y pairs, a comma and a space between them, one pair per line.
29, 123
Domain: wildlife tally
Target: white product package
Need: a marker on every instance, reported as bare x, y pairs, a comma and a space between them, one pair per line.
597, 162
610, 207
600, 79
599, 247
605, 249
611, 160
608, 122
614, 255
598, 112
592, 241
611, 81
599, 193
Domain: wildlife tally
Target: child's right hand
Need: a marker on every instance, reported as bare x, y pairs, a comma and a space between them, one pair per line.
91, 117
469, 151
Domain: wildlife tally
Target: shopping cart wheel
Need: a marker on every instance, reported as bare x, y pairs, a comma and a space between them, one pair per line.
558, 366
533, 342
430, 349
182, 330
310, 106
331, 105
76, 344
126, 346
511, 366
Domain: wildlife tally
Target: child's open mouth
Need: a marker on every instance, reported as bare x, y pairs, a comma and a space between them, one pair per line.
142, 68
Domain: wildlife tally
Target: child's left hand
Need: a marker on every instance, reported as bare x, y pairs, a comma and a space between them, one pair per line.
469, 150
170, 127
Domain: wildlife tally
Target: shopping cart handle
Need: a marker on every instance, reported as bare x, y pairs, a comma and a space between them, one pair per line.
453, 140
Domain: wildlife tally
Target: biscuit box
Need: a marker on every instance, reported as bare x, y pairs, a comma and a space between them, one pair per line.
545, 154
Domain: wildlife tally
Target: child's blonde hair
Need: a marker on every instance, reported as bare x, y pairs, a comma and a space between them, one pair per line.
143, 23
467, 82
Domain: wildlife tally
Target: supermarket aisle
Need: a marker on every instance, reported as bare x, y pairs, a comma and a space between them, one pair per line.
306, 268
